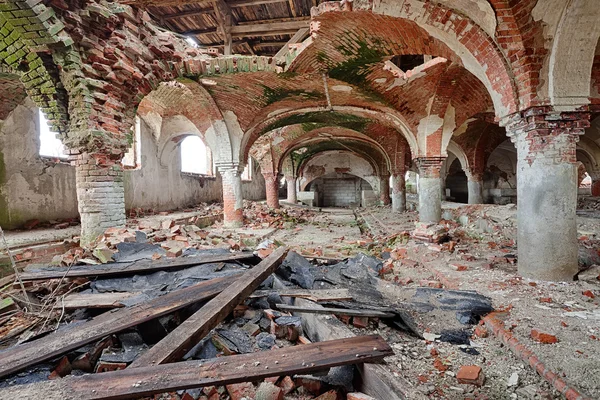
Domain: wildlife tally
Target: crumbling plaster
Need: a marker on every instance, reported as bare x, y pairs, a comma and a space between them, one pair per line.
31, 187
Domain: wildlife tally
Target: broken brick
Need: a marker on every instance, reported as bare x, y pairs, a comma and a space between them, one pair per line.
358, 396
541, 337
360, 322
471, 374
239, 391
589, 294
287, 384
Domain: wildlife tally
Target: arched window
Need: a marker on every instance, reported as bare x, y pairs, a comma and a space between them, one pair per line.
247, 173
195, 156
133, 158
50, 145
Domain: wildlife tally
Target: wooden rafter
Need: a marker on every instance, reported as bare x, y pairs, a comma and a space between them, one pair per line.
170, 3
232, 4
263, 29
226, 22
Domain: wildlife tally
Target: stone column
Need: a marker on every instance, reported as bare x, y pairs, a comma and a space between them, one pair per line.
547, 191
398, 192
272, 188
384, 189
100, 195
292, 196
233, 200
475, 187
430, 189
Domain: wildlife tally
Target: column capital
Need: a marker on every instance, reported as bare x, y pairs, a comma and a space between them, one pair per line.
429, 166
545, 133
229, 166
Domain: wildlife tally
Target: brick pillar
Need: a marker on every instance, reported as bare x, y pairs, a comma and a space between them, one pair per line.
292, 196
384, 189
595, 186
398, 192
547, 191
100, 195
475, 187
430, 189
233, 201
272, 188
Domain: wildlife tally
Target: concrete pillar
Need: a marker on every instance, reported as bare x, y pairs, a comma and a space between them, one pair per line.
430, 189
292, 196
384, 190
100, 195
272, 188
398, 192
547, 192
233, 200
475, 187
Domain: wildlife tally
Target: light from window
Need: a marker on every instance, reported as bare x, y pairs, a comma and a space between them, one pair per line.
133, 157
50, 145
195, 156
247, 173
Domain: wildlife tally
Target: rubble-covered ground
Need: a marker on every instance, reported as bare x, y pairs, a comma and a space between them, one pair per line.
437, 281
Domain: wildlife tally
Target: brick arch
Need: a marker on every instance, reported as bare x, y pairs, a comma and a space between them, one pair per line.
591, 150
342, 135
190, 100
383, 116
318, 173
12, 93
479, 138
571, 57
460, 154
176, 128
414, 27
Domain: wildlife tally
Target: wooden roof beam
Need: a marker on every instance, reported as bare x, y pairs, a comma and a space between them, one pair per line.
165, 3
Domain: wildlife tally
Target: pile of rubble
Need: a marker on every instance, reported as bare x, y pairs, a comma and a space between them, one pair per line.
259, 215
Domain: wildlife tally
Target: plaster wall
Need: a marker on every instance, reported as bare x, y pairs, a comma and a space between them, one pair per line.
159, 183
31, 187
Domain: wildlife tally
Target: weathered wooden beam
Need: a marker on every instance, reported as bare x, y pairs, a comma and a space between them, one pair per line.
268, 44
376, 380
314, 295
16, 358
269, 29
232, 4
225, 19
170, 3
174, 346
147, 381
298, 37
339, 311
94, 300
136, 267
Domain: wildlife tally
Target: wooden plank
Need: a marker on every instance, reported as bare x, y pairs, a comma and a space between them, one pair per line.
232, 4
177, 343
340, 311
94, 300
147, 381
314, 295
376, 380
273, 28
16, 358
298, 37
114, 269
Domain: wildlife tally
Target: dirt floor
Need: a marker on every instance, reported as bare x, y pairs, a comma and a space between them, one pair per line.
478, 255
484, 237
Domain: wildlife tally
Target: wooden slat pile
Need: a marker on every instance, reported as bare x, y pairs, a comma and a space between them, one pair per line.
159, 368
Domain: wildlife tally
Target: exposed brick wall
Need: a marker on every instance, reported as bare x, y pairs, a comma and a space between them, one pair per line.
387, 36
595, 84
100, 195
12, 93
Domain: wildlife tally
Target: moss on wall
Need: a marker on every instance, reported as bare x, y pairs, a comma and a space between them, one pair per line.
313, 120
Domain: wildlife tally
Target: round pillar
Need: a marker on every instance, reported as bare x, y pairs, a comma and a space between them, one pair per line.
100, 195
292, 196
547, 193
430, 189
475, 188
233, 201
384, 193
398, 192
272, 188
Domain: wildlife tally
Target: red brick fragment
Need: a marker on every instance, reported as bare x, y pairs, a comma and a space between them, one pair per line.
589, 294
358, 396
541, 337
287, 384
360, 322
481, 331
238, 391
109, 366
471, 374
331, 395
